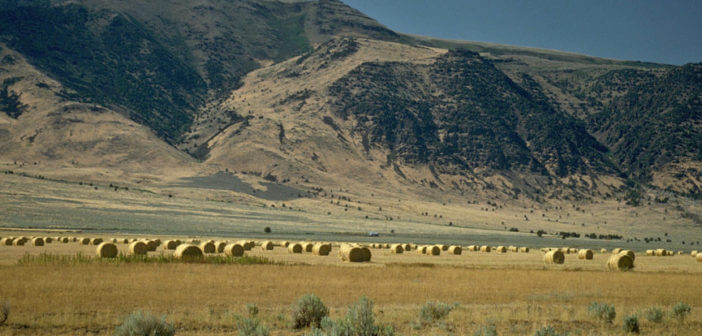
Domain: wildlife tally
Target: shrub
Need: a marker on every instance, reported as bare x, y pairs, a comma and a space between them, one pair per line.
359, 321
309, 310
631, 324
144, 324
681, 310
547, 331
654, 314
434, 311
602, 311
4, 313
267, 229
486, 330
250, 325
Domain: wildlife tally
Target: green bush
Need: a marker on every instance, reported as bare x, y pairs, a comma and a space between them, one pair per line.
681, 310
359, 321
547, 331
486, 330
602, 311
434, 311
250, 325
144, 324
654, 314
631, 324
309, 311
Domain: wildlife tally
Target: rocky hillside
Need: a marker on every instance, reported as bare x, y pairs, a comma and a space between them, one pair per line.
316, 92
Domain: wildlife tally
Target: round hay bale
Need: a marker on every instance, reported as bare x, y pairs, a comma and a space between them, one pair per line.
307, 246
620, 262
6, 241
352, 253
699, 257
649, 252
38, 241
513, 249
244, 244
630, 253
604, 250
554, 257
170, 244
208, 247
188, 252
443, 247
321, 249
616, 250
585, 254
64, 240
113, 240
433, 250
106, 250
455, 250
267, 245
234, 250
18, 242
473, 248
572, 250
407, 247
485, 248
138, 248
565, 250
285, 243
157, 241
295, 248
219, 246
501, 249
670, 253
681, 252
660, 252
151, 245
693, 253
422, 249
524, 249
124, 241
397, 248
95, 241
48, 240
84, 241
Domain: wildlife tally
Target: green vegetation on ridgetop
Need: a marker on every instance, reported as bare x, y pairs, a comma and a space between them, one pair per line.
469, 114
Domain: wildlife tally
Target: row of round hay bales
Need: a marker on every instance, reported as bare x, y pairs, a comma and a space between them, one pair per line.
354, 253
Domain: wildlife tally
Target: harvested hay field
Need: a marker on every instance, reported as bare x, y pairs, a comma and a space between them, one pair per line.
398, 290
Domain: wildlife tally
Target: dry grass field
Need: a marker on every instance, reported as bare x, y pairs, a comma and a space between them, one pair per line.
514, 291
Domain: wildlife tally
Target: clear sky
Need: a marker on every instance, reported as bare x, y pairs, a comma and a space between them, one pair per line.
664, 31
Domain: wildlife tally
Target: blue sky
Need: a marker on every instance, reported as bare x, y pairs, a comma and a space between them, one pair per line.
664, 31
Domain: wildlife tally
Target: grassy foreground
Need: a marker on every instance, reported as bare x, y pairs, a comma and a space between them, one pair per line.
205, 299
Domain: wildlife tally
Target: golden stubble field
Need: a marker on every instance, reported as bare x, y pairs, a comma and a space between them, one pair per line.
515, 291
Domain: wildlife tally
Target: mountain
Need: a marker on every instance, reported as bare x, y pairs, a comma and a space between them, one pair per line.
316, 93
